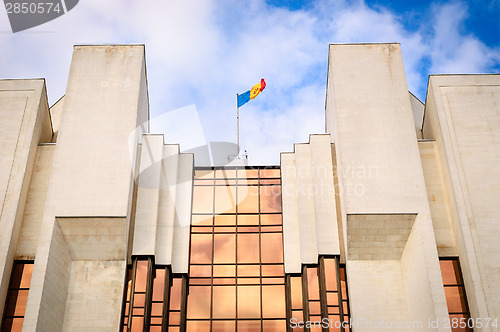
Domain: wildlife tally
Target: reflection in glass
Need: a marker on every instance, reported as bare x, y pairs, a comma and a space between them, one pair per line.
223, 302
248, 220
248, 302
224, 270
248, 173
201, 248
175, 294
197, 326
248, 248
273, 301
272, 247
270, 219
248, 270
270, 173
202, 220
198, 305
270, 199
274, 326
312, 283
224, 248
225, 199
225, 220
455, 299
248, 325
223, 326
248, 199
330, 275
203, 199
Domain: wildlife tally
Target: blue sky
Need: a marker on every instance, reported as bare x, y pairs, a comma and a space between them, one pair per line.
201, 53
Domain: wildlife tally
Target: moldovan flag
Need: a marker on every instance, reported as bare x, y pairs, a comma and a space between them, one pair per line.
252, 93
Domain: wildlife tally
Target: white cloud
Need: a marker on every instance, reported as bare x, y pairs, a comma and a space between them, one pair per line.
204, 52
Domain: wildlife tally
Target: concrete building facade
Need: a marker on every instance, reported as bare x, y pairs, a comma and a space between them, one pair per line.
388, 220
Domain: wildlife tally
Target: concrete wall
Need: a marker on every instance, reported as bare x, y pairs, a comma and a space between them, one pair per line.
368, 111
462, 116
309, 213
163, 212
24, 123
92, 169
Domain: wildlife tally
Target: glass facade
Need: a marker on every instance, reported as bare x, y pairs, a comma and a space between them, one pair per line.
17, 296
236, 279
454, 290
236, 271
319, 294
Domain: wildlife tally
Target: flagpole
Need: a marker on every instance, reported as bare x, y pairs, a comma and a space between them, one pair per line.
237, 127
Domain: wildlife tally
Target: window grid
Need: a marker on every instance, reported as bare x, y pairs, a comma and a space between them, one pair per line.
17, 296
454, 289
156, 295
319, 292
236, 253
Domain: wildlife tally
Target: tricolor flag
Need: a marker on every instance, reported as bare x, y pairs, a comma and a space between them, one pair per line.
252, 93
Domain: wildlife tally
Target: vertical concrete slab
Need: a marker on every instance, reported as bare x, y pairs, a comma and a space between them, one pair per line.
105, 101
24, 122
368, 111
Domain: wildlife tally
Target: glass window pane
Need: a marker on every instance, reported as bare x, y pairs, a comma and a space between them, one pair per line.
464, 317
270, 199
224, 281
270, 173
312, 283
332, 298
198, 304
248, 281
334, 323
248, 199
314, 308
270, 181
137, 324
296, 291
16, 305
248, 220
13, 324
248, 302
343, 288
175, 294
203, 199
223, 326
224, 248
173, 329
274, 326
157, 309
202, 220
248, 325
197, 326
253, 229
225, 220
139, 300
248, 173
225, 199
203, 174
141, 275
201, 271
174, 318
248, 270
330, 274
316, 321
455, 299
159, 285
224, 302
248, 248
272, 247
225, 229
273, 301
27, 270
225, 182
449, 272
345, 307
225, 173
298, 315
224, 270
270, 219
201, 248
273, 271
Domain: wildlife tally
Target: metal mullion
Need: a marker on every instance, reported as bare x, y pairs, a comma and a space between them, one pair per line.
148, 295
166, 299
305, 296
184, 293
288, 301
213, 253
339, 294
132, 292
260, 253
322, 291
